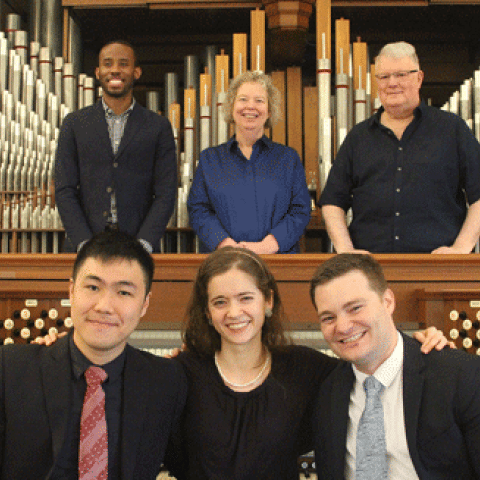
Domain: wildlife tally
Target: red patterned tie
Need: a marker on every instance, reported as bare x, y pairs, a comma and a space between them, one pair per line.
93, 453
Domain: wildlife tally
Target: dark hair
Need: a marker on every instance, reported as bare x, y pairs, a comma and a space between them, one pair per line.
201, 337
109, 246
344, 263
120, 42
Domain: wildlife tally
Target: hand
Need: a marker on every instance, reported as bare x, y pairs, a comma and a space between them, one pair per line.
430, 338
227, 242
449, 250
268, 245
49, 338
176, 351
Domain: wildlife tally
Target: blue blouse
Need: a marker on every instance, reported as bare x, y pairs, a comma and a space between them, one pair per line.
248, 199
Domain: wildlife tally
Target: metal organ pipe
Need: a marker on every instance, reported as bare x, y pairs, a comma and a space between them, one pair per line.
13, 24
153, 101
31, 113
171, 90
210, 53
51, 26
341, 103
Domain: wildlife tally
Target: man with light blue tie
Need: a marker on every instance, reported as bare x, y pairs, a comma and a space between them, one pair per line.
388, 412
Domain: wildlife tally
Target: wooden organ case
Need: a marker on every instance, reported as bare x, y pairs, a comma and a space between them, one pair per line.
439, 290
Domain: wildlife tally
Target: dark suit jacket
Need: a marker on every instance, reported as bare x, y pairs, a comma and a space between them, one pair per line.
441, 401
35, 391
143, 174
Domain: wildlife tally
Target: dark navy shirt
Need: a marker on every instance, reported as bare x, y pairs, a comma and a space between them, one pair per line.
406, 195
66, 466
248, 199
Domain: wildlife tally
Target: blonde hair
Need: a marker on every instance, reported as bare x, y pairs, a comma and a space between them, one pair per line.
273, 95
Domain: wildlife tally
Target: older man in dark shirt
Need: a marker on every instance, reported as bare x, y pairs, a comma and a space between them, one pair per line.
408, 172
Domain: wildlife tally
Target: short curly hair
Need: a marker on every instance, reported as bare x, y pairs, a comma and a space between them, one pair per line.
273, 95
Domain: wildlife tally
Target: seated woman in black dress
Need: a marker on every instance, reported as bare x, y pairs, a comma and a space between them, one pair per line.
250, 192
250, 393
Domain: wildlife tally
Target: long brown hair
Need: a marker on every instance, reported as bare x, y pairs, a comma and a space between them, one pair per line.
201, 337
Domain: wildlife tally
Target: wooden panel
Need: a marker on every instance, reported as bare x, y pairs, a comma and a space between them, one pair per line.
279, 133
104, 3
294, 109
39, 275
176, 4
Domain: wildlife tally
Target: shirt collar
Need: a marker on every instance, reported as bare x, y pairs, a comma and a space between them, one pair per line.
110, 113
80, 363
389, 369
419, 112
263, 142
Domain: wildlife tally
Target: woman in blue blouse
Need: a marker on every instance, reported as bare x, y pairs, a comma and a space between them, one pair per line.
250, 192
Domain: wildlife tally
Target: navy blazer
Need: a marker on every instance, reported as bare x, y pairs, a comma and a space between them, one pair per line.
143, 174
441, 401
35, 391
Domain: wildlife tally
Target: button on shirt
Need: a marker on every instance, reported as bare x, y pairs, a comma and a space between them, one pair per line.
66, 466
116, 127
406, 195
249, 199
389, 374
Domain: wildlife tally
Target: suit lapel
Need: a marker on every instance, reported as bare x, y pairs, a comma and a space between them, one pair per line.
134, 123
57, 381
100, 128
135, 388
413, 380
340, 402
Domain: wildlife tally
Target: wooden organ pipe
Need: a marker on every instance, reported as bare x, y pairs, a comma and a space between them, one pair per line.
257, 36
222, 80
239, 54
205, 110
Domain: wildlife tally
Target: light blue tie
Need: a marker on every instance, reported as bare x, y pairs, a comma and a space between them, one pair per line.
371, 455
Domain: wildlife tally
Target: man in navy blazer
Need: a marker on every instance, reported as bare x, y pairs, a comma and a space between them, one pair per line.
42, 389
431, 403
115, 164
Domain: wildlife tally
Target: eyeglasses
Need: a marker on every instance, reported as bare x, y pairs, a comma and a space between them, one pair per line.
397, 75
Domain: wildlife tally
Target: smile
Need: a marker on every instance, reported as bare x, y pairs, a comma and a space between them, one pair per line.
102, 323
353, 339
115, 82
238, 326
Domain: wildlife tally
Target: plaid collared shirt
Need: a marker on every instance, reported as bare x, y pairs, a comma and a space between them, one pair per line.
116, 127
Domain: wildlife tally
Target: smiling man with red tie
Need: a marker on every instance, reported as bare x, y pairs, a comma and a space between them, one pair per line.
91, 406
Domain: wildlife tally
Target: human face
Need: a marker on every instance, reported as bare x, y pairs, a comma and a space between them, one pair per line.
117, 71
399, 96
250, 109
236, 308
356, 321
107, 302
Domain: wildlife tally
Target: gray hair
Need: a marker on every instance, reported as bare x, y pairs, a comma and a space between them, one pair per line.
398, 50
273, 95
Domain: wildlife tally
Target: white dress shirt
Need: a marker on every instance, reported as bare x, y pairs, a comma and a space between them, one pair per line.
400, 466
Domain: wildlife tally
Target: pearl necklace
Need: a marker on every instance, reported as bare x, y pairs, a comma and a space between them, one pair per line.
242, 385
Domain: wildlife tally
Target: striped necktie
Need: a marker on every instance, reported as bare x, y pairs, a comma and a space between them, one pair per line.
93, 452
371, 455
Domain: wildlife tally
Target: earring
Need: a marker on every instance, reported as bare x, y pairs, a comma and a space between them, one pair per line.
268, 312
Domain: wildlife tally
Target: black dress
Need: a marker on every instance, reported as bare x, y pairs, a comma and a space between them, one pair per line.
256, 435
